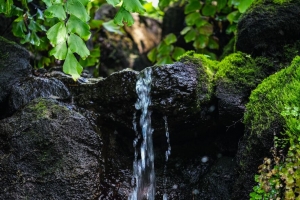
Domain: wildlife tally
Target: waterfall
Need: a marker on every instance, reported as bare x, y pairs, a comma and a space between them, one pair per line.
143, 168
167, 154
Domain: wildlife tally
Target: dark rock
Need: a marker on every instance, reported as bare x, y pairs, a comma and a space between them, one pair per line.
48, 152
25, 91
14, 65
267, 27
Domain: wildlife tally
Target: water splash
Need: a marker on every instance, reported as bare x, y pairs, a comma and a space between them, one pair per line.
143, 169
168, 153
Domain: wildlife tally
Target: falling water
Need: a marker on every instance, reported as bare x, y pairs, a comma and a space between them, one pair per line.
168, 153
143, 169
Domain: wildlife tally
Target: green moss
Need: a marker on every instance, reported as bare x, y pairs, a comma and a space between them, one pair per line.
239, 72
207, 69
267, 101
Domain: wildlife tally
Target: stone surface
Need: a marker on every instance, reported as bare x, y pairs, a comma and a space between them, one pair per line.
14, 65
266, 27
48, 152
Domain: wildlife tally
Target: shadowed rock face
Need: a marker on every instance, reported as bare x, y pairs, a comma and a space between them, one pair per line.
14, 65
48, 152
266, 28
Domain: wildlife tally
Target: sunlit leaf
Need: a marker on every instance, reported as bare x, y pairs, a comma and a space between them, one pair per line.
9, 4
56, 10
123, 16
178, 51
57, 33
95, 23
209, 10
47, 2
59, 51
76, 45
170, 39
71, 66
75, 25
133, 6
233, 16
185, 30
201, 22
74, 7
112, 27
244, 5
84, 2
152, 55
113, 2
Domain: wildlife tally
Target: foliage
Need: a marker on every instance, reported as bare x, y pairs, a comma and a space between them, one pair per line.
276, 103
202, 19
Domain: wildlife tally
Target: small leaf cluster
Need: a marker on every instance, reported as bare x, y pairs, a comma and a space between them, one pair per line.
126, 8
166, 52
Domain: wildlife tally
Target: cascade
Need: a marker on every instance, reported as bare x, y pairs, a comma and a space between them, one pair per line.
143, 169
167, 154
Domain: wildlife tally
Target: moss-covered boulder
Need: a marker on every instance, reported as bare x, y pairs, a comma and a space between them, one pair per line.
237, 75
268, 26
48, 151
272, 121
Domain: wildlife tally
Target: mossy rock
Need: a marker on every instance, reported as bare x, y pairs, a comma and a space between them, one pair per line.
264, 121
268, 26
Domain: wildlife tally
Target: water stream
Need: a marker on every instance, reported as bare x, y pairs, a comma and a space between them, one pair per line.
143, 167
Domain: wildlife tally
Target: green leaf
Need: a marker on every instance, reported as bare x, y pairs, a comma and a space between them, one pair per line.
233, 16
76, 45
123, 16
213, 43
192, 6
47, 2
113, 2
221, 4
244, 5
231, 29
209, 10
191, 18
206, 29
152, 55
35, 27
164, 49
185, 30
112, 27
26, 38
170, 39
165, 60
71, 66
84, 2
57, 33
133, 6
201, 22
190, 36
56, 10
95, 23
59, 51
74, 7
2, 6
19, 27
75, 25
34, 39
9, 4
178, 51
201, 42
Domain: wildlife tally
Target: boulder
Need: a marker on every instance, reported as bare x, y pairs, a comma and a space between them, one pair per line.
268, 26
48, 151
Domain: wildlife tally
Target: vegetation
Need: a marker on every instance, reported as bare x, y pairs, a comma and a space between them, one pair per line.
275, 103
62, 27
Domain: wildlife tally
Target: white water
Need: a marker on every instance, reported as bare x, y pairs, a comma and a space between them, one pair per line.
168, 153
143, 169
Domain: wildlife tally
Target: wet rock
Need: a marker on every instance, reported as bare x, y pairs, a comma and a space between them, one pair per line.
267, 27
14, 65
48, 152
25, 91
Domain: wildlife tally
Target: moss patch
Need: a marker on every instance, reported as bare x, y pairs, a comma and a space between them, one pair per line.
239, 72
207, 69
